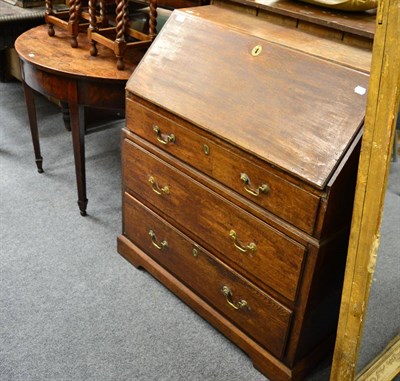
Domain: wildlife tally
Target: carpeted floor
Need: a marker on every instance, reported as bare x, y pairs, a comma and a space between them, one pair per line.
72, 309
9, 10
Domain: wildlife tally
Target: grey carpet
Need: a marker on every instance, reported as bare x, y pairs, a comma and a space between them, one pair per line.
71, 308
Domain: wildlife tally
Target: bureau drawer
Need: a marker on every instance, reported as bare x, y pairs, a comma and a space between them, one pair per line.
282, 198
255, 312
255, 249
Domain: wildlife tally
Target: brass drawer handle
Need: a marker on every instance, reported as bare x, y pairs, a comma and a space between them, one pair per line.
162, 245
263, 188
243, 248
169, 138
156, 188
229, 299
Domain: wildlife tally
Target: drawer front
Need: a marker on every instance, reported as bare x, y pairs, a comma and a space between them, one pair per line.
257, 184
255, 312
248, 244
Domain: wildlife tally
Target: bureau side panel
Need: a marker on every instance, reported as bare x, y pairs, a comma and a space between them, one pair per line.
318, 322
337, 206
315, 321
322, 284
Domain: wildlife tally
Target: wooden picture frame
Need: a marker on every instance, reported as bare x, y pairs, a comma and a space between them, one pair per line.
380, 120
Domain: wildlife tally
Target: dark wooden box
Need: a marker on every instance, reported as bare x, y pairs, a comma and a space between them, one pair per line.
30, 3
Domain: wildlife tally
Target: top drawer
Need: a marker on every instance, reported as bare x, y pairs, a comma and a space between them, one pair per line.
257, 184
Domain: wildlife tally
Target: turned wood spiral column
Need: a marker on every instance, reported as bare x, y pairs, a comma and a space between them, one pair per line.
68, 20
120, 42
92, 27
49, 12
73, 28
153, 18
121, 37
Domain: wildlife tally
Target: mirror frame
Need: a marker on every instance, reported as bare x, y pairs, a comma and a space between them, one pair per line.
379, 127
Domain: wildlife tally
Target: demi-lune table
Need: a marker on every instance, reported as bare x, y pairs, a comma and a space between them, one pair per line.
51, 67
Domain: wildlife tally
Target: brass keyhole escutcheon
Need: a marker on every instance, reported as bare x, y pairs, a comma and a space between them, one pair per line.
256, 50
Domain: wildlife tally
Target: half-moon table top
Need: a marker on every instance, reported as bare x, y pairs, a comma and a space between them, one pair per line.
55, 54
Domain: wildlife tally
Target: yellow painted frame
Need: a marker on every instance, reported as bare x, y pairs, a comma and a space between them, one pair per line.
382, 108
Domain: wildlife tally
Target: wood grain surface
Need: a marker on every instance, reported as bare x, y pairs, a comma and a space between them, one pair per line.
360, 23
301, 39
207, 275
226, 166
55, 54
277, 261
297, 112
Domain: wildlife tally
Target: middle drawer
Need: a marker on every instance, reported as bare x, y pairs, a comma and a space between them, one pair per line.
255, 249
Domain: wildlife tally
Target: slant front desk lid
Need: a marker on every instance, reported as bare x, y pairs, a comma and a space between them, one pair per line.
295, 111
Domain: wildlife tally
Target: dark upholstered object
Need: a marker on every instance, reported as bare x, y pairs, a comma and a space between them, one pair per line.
15, 20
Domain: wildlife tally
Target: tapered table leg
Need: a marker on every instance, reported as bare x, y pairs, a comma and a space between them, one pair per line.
78, 142
44, 72
30, 105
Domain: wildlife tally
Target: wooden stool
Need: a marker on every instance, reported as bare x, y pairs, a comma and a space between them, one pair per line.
75, 20
120, 37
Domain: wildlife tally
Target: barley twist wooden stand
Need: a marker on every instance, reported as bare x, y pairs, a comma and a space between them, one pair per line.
120, 37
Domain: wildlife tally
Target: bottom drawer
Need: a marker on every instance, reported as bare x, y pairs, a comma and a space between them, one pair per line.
256, 313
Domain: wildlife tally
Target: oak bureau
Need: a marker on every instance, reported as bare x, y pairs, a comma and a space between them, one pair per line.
239, 161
